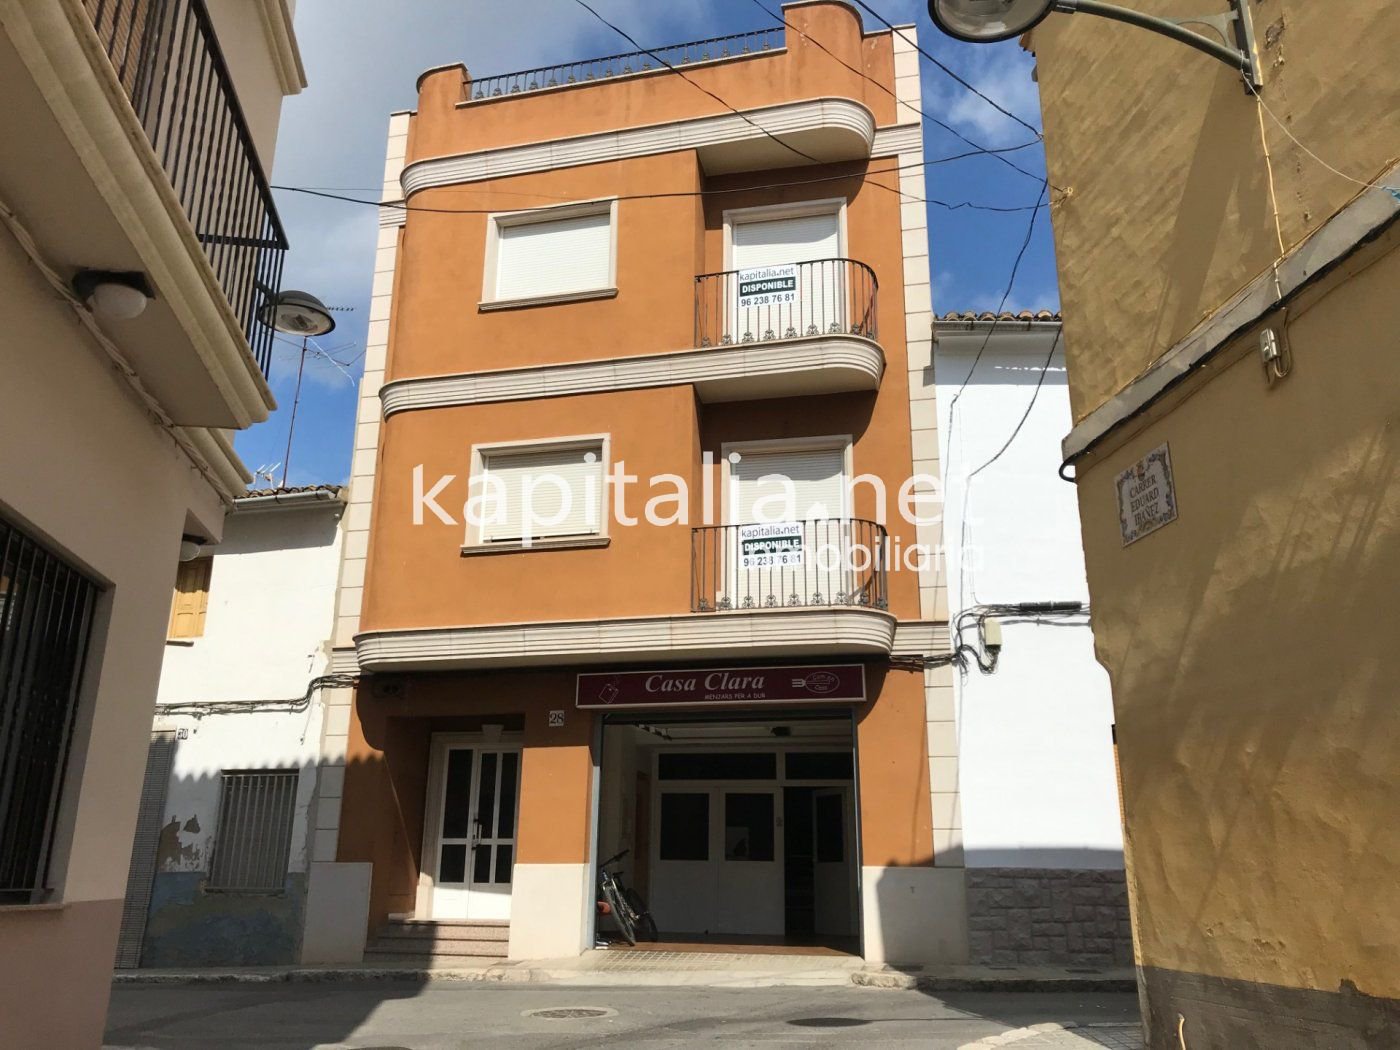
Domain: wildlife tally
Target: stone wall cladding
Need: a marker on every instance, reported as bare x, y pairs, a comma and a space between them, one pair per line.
1042, 916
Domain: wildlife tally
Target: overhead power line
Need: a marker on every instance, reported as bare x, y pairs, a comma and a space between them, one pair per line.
911, 198
918, 47
699, 87
979, 149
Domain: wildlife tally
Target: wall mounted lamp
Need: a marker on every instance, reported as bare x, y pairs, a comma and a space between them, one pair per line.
113, 296
987, 21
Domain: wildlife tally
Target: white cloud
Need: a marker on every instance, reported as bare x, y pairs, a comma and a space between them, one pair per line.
1002, 74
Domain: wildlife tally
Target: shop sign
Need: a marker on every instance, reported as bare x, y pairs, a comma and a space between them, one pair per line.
767, 546
768, 286
720, 686
1146, 496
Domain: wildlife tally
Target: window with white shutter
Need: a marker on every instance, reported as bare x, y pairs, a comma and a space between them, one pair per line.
541, 493
539, 257
817, 477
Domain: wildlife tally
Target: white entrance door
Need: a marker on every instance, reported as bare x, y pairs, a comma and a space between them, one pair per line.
834, 887
718, 861
749, 862
816, 479
814, 240
471, 847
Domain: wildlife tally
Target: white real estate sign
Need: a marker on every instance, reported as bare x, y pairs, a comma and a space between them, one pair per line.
768, 546
768, 286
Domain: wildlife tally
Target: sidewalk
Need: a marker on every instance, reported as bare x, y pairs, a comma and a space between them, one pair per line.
624, 968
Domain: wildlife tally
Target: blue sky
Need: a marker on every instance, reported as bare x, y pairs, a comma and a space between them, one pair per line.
363, 56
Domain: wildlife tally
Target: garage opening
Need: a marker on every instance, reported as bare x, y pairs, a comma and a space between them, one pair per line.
740, 832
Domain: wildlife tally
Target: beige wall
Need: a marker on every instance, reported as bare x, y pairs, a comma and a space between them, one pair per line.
248, 40
82, 468
1252, 650
1160, 148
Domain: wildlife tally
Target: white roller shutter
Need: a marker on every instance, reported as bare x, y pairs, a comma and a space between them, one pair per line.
818, 477
774, 242
554, 257
565, 491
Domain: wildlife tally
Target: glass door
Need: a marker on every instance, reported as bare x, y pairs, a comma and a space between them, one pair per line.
474, 850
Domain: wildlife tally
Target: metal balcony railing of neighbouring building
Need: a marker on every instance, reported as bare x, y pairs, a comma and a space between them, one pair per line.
822, 562
823, 297
595, 69
167, 57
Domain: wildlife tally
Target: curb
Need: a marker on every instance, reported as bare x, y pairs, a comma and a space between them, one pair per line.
137, 977
911, 982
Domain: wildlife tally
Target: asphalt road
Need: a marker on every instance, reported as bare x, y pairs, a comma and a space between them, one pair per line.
388, 1016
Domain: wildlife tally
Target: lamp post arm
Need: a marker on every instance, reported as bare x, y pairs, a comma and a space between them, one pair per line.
1242, 61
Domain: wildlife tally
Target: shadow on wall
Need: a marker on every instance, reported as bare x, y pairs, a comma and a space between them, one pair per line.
224, 896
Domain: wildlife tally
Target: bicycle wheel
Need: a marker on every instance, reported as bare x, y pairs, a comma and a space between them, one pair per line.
644, 924
622, 913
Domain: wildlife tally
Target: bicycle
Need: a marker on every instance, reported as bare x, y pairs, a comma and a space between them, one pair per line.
624, 904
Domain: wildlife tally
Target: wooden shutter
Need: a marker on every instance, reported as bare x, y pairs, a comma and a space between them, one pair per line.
191, 598
508, 475
554, 257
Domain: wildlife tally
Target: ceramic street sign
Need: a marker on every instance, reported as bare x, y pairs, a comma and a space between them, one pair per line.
1146, 496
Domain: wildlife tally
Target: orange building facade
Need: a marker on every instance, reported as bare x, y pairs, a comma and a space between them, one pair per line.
642, 552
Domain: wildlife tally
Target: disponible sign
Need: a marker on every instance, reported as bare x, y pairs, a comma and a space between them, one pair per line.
841, 683
766, 546
768, 286
1146, 496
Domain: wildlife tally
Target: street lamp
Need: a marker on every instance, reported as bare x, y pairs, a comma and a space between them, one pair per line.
987, 21
296, 313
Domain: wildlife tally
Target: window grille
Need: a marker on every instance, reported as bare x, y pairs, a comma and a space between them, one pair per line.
253, 838
45, 619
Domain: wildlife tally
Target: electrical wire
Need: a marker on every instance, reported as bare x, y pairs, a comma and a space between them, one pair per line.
201, 708
1340, 174
910, 198
995, 154
699, 87
1045, 369
919, 48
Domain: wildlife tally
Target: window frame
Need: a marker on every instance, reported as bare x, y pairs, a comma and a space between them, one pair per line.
495, 222
844, 443
475, 541
837, 206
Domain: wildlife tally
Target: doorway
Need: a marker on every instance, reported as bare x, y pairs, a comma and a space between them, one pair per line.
469, 831
746, 832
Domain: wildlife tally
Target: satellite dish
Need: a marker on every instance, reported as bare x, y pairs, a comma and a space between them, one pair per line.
297, 313
986, 21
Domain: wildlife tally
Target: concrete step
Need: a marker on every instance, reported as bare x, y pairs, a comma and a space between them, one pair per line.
439, 950
441, 932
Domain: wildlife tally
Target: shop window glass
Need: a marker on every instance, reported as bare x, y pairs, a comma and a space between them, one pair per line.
710, 765
831, 829
685, 826
820, 765
748, 826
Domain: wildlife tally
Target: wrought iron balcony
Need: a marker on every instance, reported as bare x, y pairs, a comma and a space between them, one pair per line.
824, 562
827, 297
594, 69
167, 56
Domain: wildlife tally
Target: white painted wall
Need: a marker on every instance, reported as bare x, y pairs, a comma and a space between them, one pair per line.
271, 603
1035, 766
271, 611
